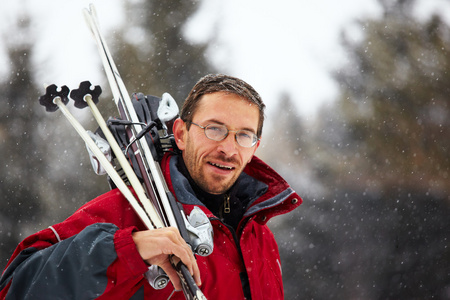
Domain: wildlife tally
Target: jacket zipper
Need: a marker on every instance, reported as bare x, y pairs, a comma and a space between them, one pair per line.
226, 205
225, 208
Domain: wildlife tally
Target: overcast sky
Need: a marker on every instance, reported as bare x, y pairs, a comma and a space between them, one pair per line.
283, 46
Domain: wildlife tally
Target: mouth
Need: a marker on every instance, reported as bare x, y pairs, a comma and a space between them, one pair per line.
222, 167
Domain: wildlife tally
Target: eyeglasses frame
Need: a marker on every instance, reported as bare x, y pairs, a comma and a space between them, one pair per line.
255, 140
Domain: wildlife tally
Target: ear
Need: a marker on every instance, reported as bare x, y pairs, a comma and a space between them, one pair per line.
180, 133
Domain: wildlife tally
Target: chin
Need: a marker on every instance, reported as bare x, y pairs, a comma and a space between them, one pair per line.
216, 190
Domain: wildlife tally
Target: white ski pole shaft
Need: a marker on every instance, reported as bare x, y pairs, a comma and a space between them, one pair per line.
134, 181
115, 177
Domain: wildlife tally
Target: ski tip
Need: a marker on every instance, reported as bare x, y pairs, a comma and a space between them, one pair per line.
93, 10
90, 8
90, 16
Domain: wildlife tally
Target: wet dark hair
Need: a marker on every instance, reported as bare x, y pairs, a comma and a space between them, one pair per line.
214, 83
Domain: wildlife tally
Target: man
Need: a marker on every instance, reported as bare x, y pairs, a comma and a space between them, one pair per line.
102, 250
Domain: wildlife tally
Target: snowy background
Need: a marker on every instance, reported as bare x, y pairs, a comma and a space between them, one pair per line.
374, 223
285, 46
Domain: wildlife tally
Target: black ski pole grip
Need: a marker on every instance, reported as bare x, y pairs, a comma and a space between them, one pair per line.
51, 92
85, 89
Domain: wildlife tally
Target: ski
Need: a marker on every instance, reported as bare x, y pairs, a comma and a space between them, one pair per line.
150, 170
155, 188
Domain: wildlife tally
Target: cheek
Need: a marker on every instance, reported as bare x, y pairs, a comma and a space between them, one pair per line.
201, 145
247, 156
194, 151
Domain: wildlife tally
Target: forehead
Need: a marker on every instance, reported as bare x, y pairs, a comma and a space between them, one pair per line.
229, 109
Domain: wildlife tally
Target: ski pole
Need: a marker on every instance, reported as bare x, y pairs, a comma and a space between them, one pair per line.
54, 100
83, 96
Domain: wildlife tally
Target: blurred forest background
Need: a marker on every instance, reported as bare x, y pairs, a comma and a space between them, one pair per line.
373, 167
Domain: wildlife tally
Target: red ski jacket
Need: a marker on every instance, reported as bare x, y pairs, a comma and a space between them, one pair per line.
91, 255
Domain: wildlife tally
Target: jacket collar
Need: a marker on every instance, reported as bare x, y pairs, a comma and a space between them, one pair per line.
261, 187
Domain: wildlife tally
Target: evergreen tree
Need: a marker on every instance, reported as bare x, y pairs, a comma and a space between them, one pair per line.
396, 102
390, 166
378, 227
152, 52
19, 198
45, 174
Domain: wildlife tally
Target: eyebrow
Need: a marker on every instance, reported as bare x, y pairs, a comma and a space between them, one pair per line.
209, 121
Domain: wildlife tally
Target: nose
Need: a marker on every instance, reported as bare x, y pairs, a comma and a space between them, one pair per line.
228, 145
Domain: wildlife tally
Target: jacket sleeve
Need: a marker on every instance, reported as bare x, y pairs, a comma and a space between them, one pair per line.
80, 267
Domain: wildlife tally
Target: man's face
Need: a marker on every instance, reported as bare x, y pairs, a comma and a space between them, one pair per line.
216, 165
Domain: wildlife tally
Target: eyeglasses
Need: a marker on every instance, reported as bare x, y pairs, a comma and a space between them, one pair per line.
216, 132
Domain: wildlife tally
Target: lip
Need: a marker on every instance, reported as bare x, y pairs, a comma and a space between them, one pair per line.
221, 168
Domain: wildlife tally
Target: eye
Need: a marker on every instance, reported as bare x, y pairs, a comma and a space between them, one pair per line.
216, 132
244, 134
214, 128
